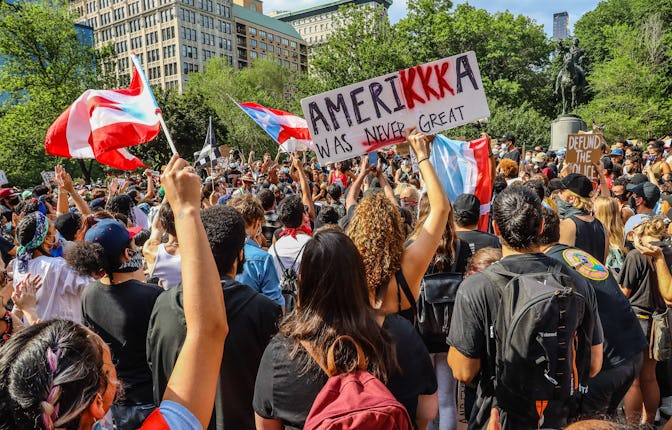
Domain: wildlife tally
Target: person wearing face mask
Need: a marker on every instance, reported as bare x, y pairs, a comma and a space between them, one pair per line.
656, 167
621, 196
117, 307
60, 296
578, 227
509, 148
644, 197
252, 321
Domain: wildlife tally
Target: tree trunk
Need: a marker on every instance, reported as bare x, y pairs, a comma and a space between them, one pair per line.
86, 172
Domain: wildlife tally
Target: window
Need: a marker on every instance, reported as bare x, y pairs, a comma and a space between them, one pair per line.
187, 16
120, 30
136, 42
169, 51
150, 20
271, 48
253, 31
167, 15
263, 46
207, 21
119, 14
104, 3
152, 38
148, 4
168, 33
270, 37
105, 18
122, 63
292, 44
253, 54
120, 47
253, 43
134, 8
134, 25
262, 34
189, 52
153, 55
170, 69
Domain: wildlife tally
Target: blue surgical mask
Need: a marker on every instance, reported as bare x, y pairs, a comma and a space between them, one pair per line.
8, 227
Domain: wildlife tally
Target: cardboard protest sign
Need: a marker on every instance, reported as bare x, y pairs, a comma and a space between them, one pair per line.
583, 150
3, 178
363, 117
48, 177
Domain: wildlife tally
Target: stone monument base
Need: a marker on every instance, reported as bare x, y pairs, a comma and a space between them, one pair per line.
563, 126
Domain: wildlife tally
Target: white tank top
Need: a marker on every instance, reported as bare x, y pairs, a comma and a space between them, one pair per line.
167, 268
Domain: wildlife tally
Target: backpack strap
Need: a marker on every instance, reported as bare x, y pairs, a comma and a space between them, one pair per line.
457, 255
277, 257
402, 285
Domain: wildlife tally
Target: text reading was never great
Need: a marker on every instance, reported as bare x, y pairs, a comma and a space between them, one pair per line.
362, 117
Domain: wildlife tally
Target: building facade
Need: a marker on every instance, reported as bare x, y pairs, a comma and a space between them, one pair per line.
172, 37
260, 36
315, 24
560, 26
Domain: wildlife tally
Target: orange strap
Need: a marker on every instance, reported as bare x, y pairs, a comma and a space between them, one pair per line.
541, 407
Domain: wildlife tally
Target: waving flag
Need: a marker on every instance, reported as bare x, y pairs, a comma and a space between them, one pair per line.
290, 131
464, 168
100, 124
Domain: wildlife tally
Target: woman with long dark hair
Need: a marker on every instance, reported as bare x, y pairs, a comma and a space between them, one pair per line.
333, 302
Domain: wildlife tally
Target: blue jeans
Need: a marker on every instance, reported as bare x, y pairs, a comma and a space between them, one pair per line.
130, 417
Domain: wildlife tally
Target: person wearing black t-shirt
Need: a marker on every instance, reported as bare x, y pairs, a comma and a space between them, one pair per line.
623, 338
252, 319
336, 302
117, 307
467, 209
518, 222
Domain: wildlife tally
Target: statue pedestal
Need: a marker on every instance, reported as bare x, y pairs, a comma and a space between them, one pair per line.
563, 126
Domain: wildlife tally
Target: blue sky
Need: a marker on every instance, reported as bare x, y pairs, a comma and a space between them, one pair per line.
540, 10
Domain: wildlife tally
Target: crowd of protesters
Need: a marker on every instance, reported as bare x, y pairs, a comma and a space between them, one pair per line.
215, 297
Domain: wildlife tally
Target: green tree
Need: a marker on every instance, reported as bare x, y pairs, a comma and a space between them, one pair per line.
45, 67
266, 82
363, 46
186, 117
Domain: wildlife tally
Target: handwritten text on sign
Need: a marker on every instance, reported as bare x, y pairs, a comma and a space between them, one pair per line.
583, 150
362, 117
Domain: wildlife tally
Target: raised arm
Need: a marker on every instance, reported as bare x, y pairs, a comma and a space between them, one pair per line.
419, 254
306, 195
193, 382
151, 247
356, 186
385, 184
662, 270
65, 188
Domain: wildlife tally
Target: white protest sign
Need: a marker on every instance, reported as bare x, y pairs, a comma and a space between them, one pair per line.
363, 117
3, 178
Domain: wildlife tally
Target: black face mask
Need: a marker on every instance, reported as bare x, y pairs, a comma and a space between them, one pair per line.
621, 197
14, 201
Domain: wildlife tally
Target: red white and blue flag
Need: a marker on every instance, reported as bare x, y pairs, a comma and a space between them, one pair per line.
464, 168
101, 124
288, 130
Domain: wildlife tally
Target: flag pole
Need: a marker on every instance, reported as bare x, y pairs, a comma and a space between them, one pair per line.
141, 72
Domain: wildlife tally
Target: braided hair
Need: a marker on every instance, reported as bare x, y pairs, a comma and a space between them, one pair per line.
49, 375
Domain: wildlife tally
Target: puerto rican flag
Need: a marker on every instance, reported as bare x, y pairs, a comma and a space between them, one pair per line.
464, 168
288, 130
101, 124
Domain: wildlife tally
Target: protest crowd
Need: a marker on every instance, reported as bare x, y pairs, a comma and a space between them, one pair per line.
276, 292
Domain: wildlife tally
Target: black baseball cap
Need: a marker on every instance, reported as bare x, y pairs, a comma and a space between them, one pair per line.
508, 136
578, 184
648, 190
467, 207
638, 178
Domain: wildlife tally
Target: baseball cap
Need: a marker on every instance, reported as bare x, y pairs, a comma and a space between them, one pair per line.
67, 225
540, 158
638, 178
111, 234
508, 136
467, 206
578, 184
647, 190
7, 192
616, 152
26, 194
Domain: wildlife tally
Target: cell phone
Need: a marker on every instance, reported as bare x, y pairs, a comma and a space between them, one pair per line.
373, 159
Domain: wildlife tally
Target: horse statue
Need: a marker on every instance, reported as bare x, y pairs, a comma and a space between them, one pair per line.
571, 80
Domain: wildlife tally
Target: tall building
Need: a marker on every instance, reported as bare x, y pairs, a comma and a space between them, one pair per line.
560, 26
316, 23
172, 37
260, 36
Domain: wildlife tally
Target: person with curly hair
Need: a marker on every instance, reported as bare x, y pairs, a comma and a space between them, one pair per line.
394, 273
509, 169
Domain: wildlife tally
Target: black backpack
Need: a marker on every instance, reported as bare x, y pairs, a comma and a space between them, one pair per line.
542, 346
436, 301
288, 281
